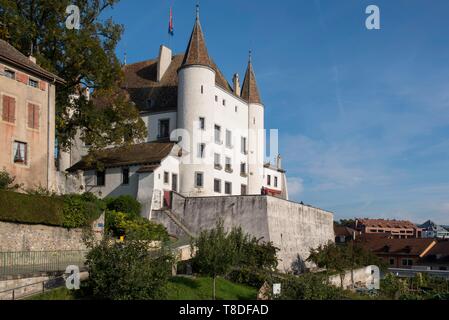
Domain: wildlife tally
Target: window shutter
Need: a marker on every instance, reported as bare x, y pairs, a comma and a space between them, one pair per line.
5, 113
36, 117
12, 109
30, 115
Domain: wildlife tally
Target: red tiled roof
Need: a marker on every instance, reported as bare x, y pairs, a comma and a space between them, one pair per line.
250, 91
387, 245
383, 223
140, 81
11, 55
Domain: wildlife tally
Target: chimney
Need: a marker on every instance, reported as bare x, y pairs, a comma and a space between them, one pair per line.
32, 59
236, 82
279, 162
164, 61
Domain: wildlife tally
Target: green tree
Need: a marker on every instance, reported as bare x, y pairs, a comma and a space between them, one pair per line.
342, 258
215, 254
85, 58
255, 261
127, 271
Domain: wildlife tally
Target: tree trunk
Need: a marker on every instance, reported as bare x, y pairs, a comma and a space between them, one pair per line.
352, 277
214, 285
342, 276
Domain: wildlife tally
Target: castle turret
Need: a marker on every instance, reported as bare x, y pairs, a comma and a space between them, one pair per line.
256, 137
196, 85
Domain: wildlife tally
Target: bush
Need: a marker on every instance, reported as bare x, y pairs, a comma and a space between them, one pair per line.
127, 271
6, 181
310, 286
69, 211
31, 209
125, 204
123, 224
81, 210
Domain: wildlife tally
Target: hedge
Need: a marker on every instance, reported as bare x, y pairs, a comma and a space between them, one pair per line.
69, 211
31, 209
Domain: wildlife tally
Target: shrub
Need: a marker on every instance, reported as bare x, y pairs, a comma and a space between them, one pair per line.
125, 204
127, 271
309, 286
31, 209
6, 181
123, 224
81, 210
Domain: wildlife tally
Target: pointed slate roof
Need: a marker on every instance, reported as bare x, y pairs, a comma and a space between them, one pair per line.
196, 53
250, 91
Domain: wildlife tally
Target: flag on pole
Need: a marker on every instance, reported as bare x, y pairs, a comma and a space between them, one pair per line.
170, 24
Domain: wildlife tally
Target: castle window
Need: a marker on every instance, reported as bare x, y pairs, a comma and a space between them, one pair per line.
202, 123
217, 185
269, 180
243, 168
228, 139
243, 145
217, 134
125, 176
101, 178
228, 188
243, 190
228, 165
166, 178
224, 102
202, 89
199, 179
216, 98
254, 120
201, 150
217, 161
276, 182
164, 128
20, 152
236, 108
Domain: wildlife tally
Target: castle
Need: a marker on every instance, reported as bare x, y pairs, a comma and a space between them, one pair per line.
218, 129
203, 159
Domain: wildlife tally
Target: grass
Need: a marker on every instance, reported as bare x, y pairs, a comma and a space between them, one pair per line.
179, 288
183, 288
55, 294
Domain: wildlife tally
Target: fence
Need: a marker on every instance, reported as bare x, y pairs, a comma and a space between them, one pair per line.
32, 289
410, 273
29, 262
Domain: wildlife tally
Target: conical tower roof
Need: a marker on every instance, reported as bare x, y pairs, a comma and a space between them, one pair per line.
196, 53
250, 91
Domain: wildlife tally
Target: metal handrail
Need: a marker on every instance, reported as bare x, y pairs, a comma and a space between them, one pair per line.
13, 290
28, 262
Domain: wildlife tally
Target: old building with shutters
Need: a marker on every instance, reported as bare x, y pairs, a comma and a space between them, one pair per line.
27, 119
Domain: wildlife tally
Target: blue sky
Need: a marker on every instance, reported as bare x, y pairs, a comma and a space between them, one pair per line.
363, 115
